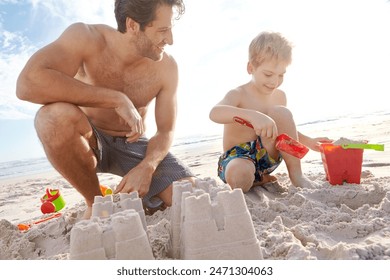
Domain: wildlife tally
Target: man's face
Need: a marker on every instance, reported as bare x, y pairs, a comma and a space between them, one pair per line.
157, 35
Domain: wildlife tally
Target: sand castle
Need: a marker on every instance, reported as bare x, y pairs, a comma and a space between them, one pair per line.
116, 230
206, 223
206, 226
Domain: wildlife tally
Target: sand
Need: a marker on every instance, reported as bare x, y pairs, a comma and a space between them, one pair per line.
324, 222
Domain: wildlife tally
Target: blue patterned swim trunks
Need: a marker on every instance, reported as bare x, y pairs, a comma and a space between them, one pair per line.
253, 151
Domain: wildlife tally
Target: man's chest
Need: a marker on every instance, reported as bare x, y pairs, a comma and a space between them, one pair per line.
140, 83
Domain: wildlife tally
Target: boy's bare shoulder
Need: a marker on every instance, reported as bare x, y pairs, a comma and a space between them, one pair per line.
234, 96
237, 92
280, 97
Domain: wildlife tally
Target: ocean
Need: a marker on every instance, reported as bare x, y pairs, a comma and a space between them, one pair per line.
16, 168
204, 144
10, 169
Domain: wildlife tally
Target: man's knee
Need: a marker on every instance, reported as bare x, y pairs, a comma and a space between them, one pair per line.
56, 112
53, 120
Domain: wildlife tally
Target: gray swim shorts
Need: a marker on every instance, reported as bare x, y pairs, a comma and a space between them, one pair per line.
116, 156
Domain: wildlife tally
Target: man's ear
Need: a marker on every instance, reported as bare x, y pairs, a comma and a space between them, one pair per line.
249, 68
132, 25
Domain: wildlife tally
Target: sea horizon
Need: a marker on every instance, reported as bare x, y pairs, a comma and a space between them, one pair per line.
36, 165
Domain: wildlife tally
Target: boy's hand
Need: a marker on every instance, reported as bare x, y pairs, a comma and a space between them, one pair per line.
264, 126
316, 142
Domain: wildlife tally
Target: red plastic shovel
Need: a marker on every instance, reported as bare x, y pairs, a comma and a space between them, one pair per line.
24, 227
283, 142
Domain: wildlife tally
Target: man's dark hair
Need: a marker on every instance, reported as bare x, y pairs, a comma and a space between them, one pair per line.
142, 11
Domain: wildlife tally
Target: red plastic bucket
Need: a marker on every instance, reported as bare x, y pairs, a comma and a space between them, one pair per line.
341, 165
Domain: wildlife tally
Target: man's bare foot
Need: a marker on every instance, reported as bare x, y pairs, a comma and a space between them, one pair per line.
153, 205
88, 213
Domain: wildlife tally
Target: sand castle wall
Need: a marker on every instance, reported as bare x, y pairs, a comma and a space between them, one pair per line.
205, 228
207, 222
116, 230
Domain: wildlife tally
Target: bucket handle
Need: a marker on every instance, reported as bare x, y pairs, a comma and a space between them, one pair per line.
376, 147
52, 196
48, 193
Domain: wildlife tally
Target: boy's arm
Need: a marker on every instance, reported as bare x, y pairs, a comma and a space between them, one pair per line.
228, 108
313, 143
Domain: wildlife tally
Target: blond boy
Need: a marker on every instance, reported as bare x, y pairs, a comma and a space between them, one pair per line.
249, 153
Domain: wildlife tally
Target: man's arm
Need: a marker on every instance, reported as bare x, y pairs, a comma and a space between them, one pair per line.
48, 76
139, 178
165, 115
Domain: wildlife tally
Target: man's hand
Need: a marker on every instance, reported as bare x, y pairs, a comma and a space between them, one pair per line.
129, 114
138, 179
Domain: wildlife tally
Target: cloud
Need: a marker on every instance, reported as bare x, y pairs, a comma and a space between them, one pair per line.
69, 11
48, 19
8, 2
333, 41
15, 50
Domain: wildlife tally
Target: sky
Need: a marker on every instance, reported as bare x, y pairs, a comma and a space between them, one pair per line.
340, 64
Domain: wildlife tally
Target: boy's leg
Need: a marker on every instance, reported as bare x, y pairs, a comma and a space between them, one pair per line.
240, 173
67, 139
285, 123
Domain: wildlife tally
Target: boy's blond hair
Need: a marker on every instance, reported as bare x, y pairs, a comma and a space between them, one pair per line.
267, 46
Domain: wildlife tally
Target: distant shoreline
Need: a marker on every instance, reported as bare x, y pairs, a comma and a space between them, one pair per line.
209, 145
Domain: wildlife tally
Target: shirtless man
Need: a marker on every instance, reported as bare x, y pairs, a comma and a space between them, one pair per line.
96, 84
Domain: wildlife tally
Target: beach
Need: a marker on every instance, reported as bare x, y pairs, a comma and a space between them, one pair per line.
323, 222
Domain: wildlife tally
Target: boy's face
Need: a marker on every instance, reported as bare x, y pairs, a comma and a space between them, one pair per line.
268, 76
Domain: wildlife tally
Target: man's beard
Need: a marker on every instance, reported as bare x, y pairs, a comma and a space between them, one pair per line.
147, 49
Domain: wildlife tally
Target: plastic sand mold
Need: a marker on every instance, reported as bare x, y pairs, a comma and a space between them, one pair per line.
105, 190
52, 201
